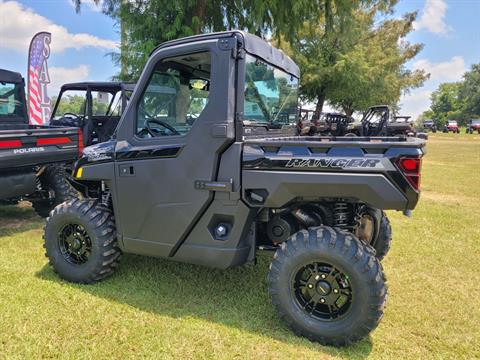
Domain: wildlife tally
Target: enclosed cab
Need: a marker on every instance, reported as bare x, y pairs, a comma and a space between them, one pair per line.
186, 178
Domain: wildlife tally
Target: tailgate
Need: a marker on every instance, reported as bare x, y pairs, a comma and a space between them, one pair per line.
37, 146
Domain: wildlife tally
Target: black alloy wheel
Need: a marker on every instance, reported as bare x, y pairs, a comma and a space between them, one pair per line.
322, 291
75, 244
81, 241
327, 285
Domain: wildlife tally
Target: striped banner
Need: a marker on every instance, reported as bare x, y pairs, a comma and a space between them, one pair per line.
38, 78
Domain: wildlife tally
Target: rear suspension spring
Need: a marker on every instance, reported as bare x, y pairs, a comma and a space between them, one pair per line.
341, 215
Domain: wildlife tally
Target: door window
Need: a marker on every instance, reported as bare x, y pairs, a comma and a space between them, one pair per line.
175, 96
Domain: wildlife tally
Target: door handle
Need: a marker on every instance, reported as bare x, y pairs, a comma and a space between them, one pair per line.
222, 186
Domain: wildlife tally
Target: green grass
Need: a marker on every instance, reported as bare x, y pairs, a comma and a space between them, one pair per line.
161, 309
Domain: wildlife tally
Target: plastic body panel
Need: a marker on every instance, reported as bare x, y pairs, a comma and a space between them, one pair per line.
31, 154
286, 186
361, 169
17, 183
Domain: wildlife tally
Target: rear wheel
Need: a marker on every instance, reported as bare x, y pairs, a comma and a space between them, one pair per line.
383, 241
327, 286
80, 241
374, 229
53, 180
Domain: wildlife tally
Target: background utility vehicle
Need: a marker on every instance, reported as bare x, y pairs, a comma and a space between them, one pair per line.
92, 107
429, 125
331, 124
473, 125
30, 154
207, 192
379, 121
451, 125
95, 107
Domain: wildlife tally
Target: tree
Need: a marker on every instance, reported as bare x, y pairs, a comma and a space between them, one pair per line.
469, 93
447, 104
458, 100
144, 24
351, 62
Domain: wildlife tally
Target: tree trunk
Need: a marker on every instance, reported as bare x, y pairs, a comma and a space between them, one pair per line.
348, 109
199, 12
123, 48
319, 106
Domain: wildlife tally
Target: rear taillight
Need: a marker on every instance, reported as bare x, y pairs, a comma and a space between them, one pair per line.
410, 167
53, 141
8, 144
80, 142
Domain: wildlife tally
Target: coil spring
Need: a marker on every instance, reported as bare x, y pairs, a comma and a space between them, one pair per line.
341, 214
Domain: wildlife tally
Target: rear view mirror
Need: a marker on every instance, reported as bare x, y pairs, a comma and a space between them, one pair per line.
103, 97
199, 84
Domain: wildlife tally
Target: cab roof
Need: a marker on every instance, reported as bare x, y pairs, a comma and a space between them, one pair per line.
251, 43
10, 76
104, 86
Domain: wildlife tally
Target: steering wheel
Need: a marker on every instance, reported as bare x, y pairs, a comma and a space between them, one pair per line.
161, 123
69, 114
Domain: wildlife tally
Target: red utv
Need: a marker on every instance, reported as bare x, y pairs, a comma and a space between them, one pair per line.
451, 126
473, 125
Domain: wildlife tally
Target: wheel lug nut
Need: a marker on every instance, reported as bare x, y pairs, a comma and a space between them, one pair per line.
324, 276
310, 286
335, 291
322, 300
317, 277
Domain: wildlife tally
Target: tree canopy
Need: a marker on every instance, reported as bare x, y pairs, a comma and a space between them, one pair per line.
346, 55
353, 62
144, 24
458, 100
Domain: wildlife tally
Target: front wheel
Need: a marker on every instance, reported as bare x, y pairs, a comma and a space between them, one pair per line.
327, 286
81, 242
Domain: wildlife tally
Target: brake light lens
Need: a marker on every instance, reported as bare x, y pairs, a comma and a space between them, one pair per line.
53, 141
81, 146
8, 144
410, 168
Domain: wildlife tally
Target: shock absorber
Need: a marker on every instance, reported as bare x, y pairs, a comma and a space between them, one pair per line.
341, 215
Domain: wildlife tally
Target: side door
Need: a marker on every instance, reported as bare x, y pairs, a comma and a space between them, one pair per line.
178, 123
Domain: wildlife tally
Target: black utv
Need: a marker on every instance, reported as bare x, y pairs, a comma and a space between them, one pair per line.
31, 156
94, 107
183, 180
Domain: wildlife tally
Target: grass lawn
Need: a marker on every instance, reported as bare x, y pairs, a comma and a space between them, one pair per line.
156, 308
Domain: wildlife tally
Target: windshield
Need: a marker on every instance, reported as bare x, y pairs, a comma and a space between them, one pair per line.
11, 100
475, 122
74, 102
450, 122
271, 95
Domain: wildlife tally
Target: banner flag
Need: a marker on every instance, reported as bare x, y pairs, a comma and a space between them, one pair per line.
38, 78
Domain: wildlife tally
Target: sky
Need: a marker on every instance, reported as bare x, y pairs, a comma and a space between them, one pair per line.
449, 30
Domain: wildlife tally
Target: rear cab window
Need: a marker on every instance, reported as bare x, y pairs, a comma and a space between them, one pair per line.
271, 95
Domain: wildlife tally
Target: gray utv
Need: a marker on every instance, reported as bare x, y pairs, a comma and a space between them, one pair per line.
183, 179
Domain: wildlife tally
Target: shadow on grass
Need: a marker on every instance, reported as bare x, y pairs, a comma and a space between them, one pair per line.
236, 297
18, 218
